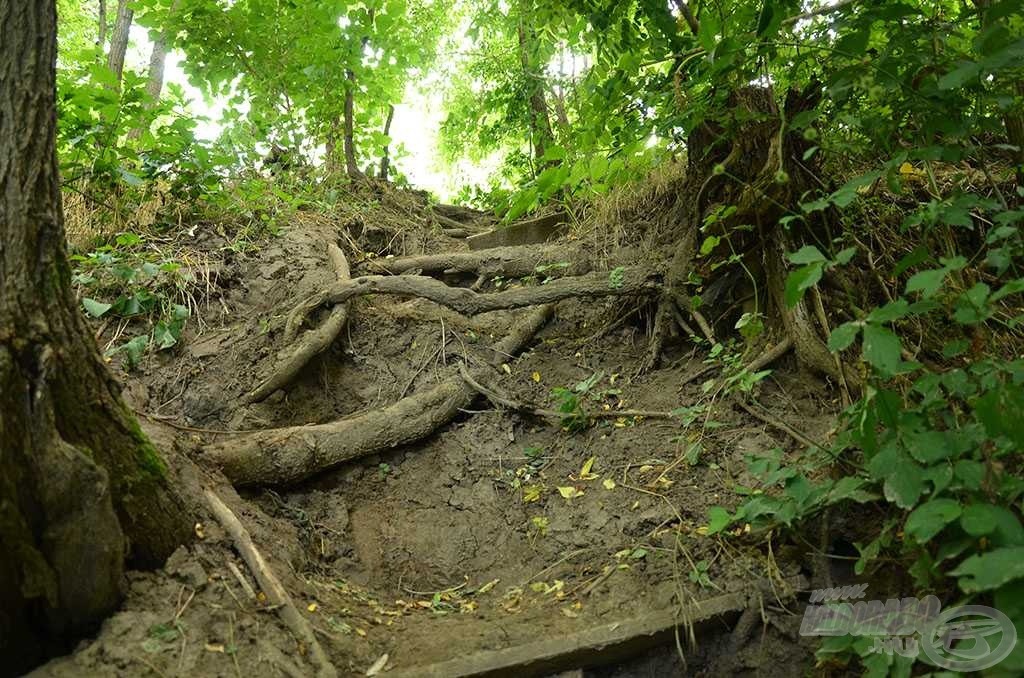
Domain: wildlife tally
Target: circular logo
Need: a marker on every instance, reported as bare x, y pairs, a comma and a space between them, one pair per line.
969, 638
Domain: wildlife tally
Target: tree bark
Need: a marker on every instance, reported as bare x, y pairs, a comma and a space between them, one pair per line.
158, 58
101, 35
385, 161
119, 39
540, 123
351, 167
157, 66
79, 482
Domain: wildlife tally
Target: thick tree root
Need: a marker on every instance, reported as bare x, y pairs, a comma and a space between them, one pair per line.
633, 280
288, 455
510, 262
276, 593
310, 344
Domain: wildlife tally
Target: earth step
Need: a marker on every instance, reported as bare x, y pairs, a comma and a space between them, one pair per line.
529, 232
604, 644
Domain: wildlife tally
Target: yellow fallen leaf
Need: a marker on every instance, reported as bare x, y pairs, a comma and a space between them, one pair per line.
531, 493
585, 472
609, 484
488, 586
214, 647
508, 370
570, 492
361, 632
536, 377
312, 607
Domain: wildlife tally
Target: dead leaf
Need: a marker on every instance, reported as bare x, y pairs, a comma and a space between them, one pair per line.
585, 472
570, 492
609, 484
378, 665
536, 377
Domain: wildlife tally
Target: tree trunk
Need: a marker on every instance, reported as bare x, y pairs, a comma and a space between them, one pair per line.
119, 39
158, 58
157, 65
385, 161
350, 128
101, 35
1013, 119
79, 482
540, 124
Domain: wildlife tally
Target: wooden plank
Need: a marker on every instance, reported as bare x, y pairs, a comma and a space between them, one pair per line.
529, 232
600, 645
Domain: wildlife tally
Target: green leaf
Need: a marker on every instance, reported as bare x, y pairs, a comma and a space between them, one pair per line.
800, 281
980, 519
881, 348
94, 308
843, 336
958, 76
808, 254
718, 519
927, 282
904, 480
709, 244
928, 519
890, 312
987, 571
134, 349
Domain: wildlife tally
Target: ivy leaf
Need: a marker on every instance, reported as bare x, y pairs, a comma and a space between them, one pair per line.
987, 571
928, 519
881, 348
94, 308
718, 519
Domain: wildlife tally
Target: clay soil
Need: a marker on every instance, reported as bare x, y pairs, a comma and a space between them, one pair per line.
500, 529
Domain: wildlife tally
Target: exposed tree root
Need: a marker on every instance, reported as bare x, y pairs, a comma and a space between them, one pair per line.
312, 343
633, 280
509, 403
510, 262
276, 593
811, 350
288, 455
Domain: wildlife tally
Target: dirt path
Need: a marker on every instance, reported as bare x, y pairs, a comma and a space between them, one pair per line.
501, 529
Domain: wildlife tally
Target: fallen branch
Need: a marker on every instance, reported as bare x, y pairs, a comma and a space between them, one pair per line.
510, 262
635, 280
312, 343
775, 422
288, 455
268, 581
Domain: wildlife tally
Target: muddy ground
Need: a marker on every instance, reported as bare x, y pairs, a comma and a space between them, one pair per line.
500, 529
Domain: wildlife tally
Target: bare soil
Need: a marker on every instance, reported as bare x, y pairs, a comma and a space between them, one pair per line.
490, 533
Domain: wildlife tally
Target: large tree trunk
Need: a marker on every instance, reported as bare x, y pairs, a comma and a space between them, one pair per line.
119, 39
540, 123
101, 35
157, 66
351, 167
158, 58
79, 482
385, 160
